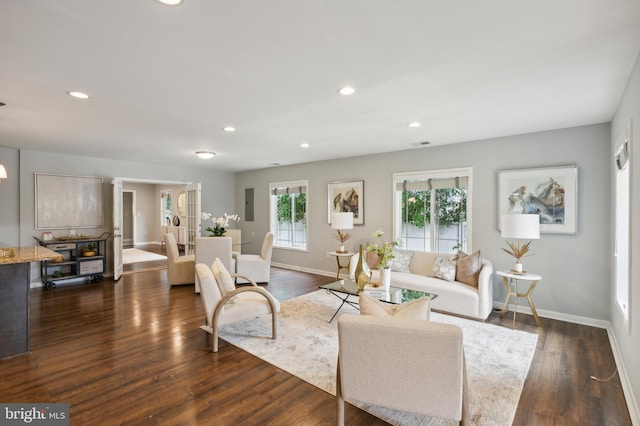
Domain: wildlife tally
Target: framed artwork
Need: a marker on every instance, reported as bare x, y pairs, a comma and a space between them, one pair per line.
347, 196
551, 192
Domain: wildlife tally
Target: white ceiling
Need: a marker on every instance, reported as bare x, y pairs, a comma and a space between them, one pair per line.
164, 80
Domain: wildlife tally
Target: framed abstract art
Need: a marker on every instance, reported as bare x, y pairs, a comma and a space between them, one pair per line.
551, 192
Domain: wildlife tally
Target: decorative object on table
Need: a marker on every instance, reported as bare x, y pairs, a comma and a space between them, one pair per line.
7, 252
340, 222
176, 221
47, 236
221, 223
89, 250
520, 226
362, 272
385, 253
345, 197
549, 192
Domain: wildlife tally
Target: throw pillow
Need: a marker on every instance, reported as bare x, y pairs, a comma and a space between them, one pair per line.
444, 268
415, 309
401, 261
373, 260
224, 279
469, 267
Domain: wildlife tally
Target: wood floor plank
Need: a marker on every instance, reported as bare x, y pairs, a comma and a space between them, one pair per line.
131, 352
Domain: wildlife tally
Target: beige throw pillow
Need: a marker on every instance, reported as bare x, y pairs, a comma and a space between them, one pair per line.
444, 268
415, 309
223, 277
468, 268
401, 261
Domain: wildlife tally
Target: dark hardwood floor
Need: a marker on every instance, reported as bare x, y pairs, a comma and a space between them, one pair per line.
131, 352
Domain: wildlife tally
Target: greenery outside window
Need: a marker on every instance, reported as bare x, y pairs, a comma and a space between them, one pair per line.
288, 214
432, 210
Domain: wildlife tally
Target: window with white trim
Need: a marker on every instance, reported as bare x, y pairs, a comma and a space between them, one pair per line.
288, 214
432, 210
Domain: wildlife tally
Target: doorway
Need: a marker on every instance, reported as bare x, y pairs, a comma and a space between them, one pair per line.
128, 218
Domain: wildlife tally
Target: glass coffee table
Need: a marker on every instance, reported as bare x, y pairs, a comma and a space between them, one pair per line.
342, 289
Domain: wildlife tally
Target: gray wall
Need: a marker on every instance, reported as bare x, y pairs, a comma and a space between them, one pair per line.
17, 221
575, 268
629, 343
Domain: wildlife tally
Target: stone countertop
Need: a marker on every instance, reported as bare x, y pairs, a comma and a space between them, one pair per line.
11, 255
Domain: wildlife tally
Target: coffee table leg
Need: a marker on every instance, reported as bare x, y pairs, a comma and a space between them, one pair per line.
344, 300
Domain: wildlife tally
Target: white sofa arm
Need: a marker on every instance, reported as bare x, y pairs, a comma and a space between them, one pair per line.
485, 289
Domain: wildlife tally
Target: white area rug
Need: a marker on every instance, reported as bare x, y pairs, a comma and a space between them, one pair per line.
497, 358
132, 255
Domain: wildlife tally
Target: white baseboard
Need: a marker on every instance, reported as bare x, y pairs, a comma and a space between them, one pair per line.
627, 389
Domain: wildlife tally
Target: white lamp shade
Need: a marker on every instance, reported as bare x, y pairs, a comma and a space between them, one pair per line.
341, 220
3, 172
521, 226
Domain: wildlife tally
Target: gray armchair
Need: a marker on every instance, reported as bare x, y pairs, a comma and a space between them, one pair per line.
404, 364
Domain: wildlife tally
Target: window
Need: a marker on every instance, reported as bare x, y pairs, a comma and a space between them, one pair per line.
165, 208
432, 210
288, 214
622, 226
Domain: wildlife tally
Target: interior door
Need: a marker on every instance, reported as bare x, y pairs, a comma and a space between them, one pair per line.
117, 229
193, 217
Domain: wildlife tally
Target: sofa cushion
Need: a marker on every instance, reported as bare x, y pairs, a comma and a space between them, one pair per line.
468, 268
444, 268
415, 309
401, 261
422, 261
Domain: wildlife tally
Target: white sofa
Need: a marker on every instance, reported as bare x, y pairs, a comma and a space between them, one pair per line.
453, 296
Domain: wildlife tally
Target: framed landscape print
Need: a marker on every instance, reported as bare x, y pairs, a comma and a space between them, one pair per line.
550, 192
345, 197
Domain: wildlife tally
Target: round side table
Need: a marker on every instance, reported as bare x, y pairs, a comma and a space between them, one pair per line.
510, 279
339, 255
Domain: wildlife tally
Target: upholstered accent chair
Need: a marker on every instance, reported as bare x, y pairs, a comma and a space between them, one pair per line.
210, 248
405, 364
224, 303
256, 266
181, 269
236, 239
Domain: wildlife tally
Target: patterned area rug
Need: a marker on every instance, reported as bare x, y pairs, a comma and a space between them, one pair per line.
497, 358
132, 255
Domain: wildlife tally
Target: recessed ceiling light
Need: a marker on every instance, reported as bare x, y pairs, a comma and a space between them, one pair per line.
79, 95
414, 124
347, 90
304, 145
205, 155
229, 129
170, 2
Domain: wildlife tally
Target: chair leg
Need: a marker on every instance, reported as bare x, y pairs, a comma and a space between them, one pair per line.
339, 399
214, 344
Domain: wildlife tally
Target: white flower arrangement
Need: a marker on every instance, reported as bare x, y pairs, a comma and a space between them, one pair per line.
220, 223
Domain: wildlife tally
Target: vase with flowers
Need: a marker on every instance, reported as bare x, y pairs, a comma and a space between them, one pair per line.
220, 223
385, 253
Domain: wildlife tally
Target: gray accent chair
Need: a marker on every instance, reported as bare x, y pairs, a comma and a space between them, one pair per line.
404, 364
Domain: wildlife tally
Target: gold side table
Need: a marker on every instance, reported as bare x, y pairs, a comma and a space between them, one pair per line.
339, 255
511, 284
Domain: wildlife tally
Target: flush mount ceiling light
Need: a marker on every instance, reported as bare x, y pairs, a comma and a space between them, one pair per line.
304, 145
170, 2
205, 155
229, 129
79, 95
346, 90
414, 124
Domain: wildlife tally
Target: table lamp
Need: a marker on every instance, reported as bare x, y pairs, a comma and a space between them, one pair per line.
519, 226
339, 222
